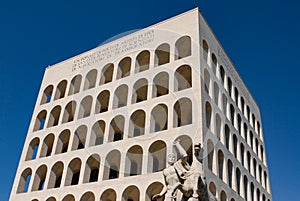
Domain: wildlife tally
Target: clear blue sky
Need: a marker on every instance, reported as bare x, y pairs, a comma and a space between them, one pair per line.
261, 38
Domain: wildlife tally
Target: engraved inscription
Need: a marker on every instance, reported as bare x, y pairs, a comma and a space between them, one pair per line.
127, 45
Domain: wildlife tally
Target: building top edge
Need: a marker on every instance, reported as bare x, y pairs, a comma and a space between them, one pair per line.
238, 76
109, 42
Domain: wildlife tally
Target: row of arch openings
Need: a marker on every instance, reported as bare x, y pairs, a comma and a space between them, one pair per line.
142, 62
183, 80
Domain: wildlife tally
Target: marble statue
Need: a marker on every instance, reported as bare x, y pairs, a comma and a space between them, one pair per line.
184, 182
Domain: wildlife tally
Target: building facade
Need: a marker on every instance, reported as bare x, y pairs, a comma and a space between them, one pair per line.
106, 120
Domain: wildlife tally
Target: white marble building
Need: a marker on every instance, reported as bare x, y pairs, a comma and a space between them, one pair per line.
105, 120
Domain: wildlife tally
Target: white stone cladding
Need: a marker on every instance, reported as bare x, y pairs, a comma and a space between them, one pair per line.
105, 120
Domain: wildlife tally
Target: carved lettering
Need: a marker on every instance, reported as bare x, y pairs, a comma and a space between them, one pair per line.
111, 51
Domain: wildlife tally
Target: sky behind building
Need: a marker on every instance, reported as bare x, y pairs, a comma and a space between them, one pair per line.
260, 37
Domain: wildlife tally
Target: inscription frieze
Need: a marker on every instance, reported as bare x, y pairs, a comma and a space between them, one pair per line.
127, 45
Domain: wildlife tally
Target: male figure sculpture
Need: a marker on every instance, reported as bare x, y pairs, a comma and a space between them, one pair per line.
183, 182
171, 179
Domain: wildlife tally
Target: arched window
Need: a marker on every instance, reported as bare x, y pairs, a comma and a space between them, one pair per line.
133, 161
102, 102
249, 161
69, 198
116, 130
56, 175
90, 79
131, 193
257, 194
256, 146
243, 105
260, 174
252, 191
63, 142
205, 50
229, 86
208, 115
183, 78
238, 180
227, 136
206, 81
216, 93
160, 84
39, 178
239, 124
32, 149
223, 196
224, 104
218, 126
159, 118
153, 189
79, 138
222, 74
46, 97
47, 146
254, 168
124, 68
221, 163
232, 114
54, 116
183, 47
262, 154
213, 189
266, 181
85, 107
258, 128
24, 181
182, 112
236, 96
91, 173
140, 91
142, 61
40, 121
246, 187
242, 154
88, 196
112, 165
214, 63
248, 113
253, 121
251, 139
107, 73
245, 132
229, 172
51, 199
210, 155
157, 156
73, 172
69, 112
162, 54
108, 195
60, 90
235, 144
137, 123
75, 85
120, 97
97, 133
